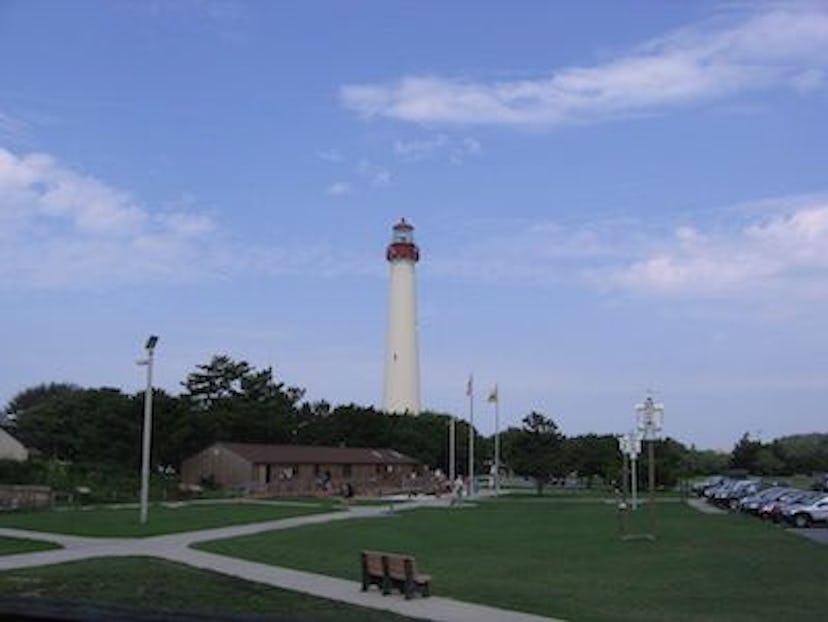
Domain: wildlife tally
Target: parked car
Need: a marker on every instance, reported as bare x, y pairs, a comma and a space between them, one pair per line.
773, 509
710, 493
699, 487
753, 503
729, 496
810, 510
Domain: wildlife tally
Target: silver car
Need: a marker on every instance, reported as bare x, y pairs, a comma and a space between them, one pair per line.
807, 513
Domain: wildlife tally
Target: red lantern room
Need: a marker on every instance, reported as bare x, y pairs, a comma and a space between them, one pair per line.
402, 247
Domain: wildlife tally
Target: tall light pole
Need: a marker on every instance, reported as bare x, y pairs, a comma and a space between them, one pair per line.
145, 453
452, 445
494, 398
470, 393
650, 417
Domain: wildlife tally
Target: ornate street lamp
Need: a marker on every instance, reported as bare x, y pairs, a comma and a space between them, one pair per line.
650, 416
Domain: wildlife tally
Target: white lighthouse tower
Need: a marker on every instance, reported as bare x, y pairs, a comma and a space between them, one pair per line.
402, 358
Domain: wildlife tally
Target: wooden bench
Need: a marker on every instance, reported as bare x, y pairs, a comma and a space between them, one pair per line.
387, 570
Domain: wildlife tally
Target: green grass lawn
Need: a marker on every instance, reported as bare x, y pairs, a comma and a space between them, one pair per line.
566, 560
12, 546
162, 520
144, 583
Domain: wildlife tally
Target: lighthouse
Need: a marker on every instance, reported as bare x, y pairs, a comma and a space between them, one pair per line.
402, 357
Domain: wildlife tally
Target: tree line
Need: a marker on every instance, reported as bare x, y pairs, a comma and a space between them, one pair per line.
96, 432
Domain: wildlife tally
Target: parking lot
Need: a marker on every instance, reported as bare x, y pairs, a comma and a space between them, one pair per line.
803, 511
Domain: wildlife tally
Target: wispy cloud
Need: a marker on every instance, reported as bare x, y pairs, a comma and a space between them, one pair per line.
12, 130
339, 188
774, 46
771, 250
784, 251
60, 228
228, 19
516, 250
374, 174
330, 155
457, 149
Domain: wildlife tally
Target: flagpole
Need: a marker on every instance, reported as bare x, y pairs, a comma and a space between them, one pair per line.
471, 436
497, 442
452, 459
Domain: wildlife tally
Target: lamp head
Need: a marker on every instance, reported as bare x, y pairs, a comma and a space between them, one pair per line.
151, 342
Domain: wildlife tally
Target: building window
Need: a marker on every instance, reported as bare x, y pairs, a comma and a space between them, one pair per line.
346, 470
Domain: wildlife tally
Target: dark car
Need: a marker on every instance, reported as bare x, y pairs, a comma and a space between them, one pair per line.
699, 487
753, 503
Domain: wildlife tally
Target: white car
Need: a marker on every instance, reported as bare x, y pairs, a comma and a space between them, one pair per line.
806, 514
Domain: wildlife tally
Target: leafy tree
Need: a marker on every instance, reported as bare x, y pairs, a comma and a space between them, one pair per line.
536, 449
768, 463
706, 461
84, 426
593, 455
233, 401
745, 453
34, 396
802, 453
671, 462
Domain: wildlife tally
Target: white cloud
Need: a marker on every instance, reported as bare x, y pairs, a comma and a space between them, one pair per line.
786, 251
381, 178
504, 250
809, 80
778, 45
60, 227
339, 189
778, 257
457, 149
11, 130
414, 150
330, 155
374, 174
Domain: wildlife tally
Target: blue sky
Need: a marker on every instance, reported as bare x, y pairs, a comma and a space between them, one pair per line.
609, 197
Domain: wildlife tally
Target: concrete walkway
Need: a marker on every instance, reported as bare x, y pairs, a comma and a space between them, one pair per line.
704, 507
176, 548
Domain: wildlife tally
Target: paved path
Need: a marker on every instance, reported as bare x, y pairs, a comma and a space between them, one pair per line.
814, 534
176, 547
703, 506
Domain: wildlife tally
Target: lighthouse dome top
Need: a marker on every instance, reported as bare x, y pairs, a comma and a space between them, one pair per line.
403, 226
402, 247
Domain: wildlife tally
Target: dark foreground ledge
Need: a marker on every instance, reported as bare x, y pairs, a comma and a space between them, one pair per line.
51, 610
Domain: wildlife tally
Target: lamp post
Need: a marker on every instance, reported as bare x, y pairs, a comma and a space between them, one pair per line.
452, 446
494, 398
471, 435
630, 446
650, 417
145, 453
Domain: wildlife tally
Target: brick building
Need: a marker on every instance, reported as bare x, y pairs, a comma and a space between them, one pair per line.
300, 469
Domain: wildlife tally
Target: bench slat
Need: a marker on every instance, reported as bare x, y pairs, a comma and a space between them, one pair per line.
389, 569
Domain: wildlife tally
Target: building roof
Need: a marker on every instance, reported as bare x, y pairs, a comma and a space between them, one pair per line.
309, 454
